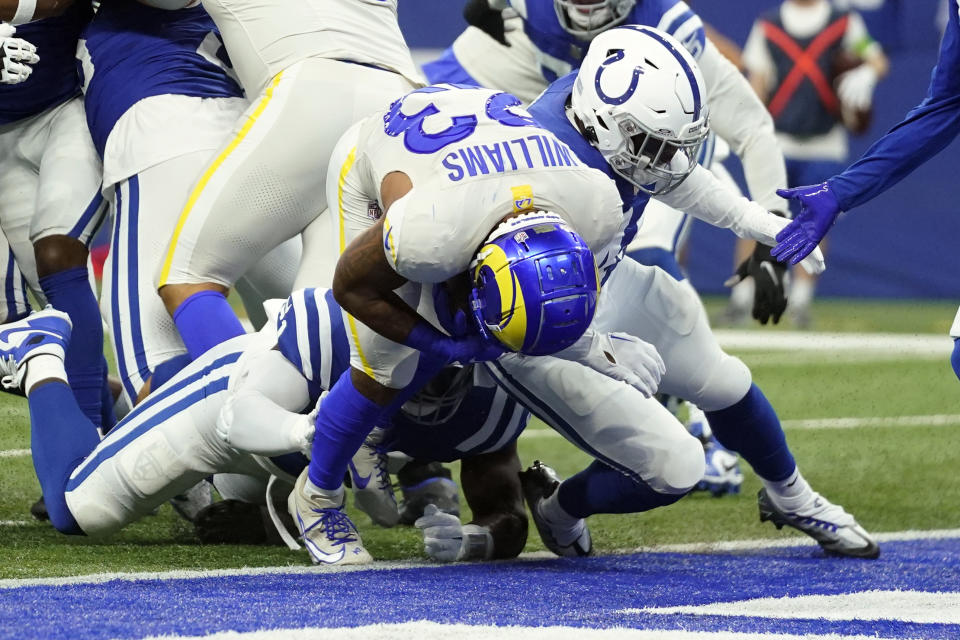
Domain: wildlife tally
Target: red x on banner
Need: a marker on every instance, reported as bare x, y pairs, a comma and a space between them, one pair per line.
805, 64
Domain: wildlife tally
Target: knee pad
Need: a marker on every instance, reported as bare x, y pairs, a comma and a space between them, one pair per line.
681, 470
726, 385
955, 358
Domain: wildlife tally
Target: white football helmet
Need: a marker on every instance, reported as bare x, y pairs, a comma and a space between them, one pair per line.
639, 98
587, 18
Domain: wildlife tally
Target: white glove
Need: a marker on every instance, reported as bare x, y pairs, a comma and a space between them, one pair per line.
856, 86
446, 540
763, 226
620, 356
442, 534
16, 56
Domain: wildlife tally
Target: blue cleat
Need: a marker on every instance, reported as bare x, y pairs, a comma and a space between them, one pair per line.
42, 332
722, 474
328, 533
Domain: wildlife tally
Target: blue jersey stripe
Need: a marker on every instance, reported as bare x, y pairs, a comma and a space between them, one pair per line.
133, 279
92, 209
115, 295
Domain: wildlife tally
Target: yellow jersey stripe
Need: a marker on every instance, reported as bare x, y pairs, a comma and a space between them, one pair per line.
208, 174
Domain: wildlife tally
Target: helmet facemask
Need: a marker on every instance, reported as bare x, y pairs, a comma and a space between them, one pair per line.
438, 401
585, 19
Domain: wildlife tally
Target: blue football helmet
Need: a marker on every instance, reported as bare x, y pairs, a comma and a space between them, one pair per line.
535, 284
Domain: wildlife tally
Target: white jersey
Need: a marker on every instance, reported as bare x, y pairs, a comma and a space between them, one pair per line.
264, 37
474, 156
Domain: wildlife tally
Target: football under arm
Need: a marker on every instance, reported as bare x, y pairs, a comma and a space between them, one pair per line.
704, 197
23, 11
738, 116
261, 414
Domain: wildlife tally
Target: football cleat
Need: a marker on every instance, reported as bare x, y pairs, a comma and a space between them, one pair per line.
423, 483
39, 510
827, 523
722, 474
539, 482
372, 491
328, 533
42, 332
192, 501
230, 522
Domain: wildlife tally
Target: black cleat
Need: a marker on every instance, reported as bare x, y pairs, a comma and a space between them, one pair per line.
235, 522
39, 510
539, 482
423, 483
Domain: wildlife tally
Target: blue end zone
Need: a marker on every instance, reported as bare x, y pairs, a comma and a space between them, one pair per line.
589, 592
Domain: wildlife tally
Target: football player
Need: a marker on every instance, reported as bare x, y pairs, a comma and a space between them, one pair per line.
50, 202
22, 11
212, 417
310, 69
159, 100
446, 164
925, 131
621, 113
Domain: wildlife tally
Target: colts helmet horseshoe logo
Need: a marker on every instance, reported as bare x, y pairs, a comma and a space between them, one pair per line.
634, 80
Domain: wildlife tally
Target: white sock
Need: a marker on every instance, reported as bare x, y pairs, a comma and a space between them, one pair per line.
790, 494
328, 498
41, 367
551, 510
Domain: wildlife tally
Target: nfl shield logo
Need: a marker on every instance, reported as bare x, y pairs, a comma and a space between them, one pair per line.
373, 211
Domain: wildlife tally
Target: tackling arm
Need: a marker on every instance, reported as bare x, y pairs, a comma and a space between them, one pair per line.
738, 116
21, 11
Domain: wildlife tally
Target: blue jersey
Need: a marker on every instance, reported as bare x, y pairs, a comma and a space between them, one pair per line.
312, 336
134, 52
54, 79
561, 52
926, 131
549, 110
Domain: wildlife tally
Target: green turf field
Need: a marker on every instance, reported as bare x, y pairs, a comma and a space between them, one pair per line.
892, 478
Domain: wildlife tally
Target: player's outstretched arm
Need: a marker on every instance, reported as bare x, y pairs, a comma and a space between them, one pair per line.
21, 11
491, 485
925, 131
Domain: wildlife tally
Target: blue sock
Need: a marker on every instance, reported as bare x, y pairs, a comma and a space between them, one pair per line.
752, 429
70, 292
345, 418
108, 419
602, 489
955, 358
204, 320
61, 436
167, 369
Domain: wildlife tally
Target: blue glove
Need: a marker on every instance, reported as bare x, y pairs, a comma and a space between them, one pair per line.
465, 349
818, 211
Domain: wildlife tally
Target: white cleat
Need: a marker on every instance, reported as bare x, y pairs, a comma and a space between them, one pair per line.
372, 491
42, 332
836, 530
328, 533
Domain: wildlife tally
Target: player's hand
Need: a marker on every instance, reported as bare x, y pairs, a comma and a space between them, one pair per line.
16, 56
856, 86
620, 356
442, 534
769, 277
479, 14
818, 212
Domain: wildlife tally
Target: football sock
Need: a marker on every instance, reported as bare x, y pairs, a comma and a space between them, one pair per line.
61, 436
204, 320
344, 419
333, 498
167, 369
602, 489
42, 367
955, 358
70, 292
801, 293
790, 494
751, 428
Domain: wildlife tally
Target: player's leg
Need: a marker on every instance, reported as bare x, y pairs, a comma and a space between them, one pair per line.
263, 187
654, 307
644, 456
69, 210
270, 279
13, 295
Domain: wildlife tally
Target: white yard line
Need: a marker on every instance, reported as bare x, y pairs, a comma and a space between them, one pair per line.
889, 344
14, 453
16, 523
696, 547
934, 420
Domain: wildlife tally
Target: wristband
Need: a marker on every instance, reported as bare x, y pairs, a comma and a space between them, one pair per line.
25, 11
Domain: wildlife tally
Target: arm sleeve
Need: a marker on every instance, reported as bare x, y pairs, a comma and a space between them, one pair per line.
925, 131
703, 196
738, 116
